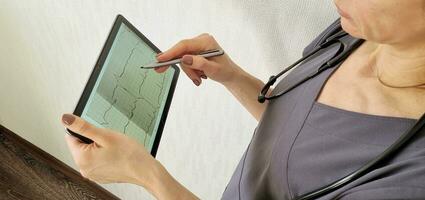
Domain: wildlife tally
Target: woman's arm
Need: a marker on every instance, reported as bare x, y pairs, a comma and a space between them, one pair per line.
245, 88
162, 185
222, 69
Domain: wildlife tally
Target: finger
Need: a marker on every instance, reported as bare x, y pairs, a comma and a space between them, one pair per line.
74, 144
161, 69
77, 149
186, 46
73, 141
200, 74
196, 79
80, 126
199, 63
179, 49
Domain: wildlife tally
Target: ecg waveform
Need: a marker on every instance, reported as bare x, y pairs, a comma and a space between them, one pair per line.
128, 99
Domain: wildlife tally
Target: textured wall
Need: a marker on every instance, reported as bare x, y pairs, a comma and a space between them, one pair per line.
48, 49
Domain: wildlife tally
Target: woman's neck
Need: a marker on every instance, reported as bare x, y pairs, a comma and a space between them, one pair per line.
399, 65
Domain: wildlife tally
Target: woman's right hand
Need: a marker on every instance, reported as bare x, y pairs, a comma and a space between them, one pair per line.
220, 68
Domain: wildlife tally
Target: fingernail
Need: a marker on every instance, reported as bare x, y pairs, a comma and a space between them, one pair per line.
196, 82
203, 76
158, 54
188, 60
68, 119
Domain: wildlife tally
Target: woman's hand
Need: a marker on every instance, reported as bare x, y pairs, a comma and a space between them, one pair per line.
114, 158
111, 157
221, 68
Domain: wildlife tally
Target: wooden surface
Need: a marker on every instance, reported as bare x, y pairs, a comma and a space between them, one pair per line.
27, 172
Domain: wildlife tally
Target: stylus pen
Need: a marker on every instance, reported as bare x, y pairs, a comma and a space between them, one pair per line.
205, 54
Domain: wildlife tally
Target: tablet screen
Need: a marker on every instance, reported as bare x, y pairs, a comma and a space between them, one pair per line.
125, 97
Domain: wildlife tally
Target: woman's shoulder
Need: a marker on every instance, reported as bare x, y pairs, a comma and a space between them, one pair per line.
329, 31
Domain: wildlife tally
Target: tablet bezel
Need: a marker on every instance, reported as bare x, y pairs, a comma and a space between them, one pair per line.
98, 67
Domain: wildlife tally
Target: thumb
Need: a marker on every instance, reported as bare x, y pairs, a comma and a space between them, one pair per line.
199, 63
80, 126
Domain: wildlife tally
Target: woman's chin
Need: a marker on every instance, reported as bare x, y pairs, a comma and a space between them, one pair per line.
350, 27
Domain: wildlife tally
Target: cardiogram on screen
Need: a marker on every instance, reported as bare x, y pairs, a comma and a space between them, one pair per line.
125, 97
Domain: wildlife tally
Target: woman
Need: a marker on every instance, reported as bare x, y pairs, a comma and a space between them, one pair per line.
314, 134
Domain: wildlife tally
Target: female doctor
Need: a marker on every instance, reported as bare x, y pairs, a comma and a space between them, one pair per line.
315, 133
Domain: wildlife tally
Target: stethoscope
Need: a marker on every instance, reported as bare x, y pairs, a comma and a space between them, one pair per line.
341, 54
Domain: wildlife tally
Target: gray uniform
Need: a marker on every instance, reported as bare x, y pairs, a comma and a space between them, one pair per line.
300, 145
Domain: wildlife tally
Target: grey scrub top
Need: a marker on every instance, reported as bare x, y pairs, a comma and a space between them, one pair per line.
301, 145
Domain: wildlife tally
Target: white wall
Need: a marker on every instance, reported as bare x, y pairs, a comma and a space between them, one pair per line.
48, 49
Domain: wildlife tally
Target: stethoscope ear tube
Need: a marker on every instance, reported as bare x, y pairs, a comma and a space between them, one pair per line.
390, 151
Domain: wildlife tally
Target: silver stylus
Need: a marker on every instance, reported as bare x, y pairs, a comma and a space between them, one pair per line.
205, 54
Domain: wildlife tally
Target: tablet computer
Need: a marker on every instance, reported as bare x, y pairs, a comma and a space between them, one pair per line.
121, 96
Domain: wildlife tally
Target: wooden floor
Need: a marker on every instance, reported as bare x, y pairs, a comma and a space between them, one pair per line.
27, 172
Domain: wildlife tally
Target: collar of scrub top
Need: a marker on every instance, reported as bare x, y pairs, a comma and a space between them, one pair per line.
344, 49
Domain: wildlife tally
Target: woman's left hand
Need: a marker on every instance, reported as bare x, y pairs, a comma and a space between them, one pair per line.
116, 158
112, 157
